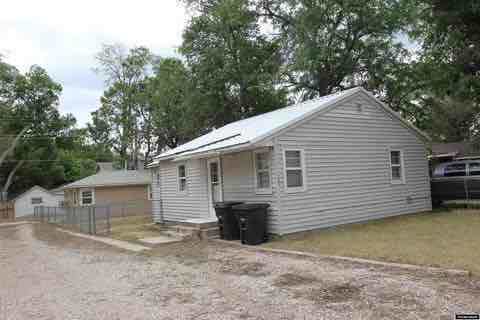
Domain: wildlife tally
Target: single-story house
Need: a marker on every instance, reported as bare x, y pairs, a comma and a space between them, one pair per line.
25, 203
115, 188
337, 159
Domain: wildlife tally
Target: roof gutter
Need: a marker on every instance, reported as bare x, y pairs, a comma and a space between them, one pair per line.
216, 152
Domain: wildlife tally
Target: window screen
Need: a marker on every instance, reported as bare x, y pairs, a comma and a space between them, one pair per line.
262, 168
293, 169
182, 178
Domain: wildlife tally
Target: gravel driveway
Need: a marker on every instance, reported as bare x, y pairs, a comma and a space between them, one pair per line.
45, 274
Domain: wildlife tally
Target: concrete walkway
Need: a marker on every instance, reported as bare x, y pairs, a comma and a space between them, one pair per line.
11, 224
116, 243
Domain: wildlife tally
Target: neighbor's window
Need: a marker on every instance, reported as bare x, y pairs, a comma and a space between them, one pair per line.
86, 197
182, 178
294, 170
37, 200
455, 170
262, 172
396, 166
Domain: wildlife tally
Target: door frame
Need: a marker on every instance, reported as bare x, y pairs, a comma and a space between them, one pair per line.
211, 209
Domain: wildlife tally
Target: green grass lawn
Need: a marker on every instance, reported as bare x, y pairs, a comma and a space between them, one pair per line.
132, 228
447, 238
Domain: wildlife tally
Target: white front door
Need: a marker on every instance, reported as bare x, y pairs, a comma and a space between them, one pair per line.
215, 193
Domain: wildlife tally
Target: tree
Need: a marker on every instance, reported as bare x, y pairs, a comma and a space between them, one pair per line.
31, 124
234, 67
331, 45
173, 112
449, 67
122, 102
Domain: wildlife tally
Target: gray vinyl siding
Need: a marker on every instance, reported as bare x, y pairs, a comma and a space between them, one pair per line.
178, 206
239, 184
348, 168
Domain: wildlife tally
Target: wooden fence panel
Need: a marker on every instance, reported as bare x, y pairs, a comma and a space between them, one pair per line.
7, 210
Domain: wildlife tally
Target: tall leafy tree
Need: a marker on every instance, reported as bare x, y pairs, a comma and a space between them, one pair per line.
122, 103
176, 114
234, 66
330, 45
449, 67
31, 125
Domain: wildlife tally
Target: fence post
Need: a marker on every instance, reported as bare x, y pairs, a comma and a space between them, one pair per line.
54, 214
89, 220
123, 209
74, 218
94, 221
108, 220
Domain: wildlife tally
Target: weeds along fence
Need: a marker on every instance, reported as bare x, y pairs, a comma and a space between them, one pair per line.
95, 219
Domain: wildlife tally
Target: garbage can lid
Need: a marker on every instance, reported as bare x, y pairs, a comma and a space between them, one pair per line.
226, 204
251, 206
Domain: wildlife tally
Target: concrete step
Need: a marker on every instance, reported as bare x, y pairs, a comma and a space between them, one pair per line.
175, 235
198, 223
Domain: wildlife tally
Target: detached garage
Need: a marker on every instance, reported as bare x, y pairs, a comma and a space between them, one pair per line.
36, 196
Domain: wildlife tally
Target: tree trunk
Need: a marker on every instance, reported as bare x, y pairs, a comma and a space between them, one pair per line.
12, 145
7, 184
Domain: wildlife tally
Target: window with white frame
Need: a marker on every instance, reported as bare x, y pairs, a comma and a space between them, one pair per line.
75, 197
396, 166
294, 163
87, 197
37, 200
182, 178
261, 165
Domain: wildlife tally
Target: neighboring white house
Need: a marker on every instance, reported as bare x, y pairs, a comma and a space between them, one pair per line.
35, 196
338, 159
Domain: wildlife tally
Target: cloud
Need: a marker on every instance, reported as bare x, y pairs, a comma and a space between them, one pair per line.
63, 37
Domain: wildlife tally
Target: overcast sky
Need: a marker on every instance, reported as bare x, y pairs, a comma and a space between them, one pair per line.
63, 36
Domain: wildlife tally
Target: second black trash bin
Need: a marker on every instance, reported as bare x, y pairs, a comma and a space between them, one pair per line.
227, 222
252, 219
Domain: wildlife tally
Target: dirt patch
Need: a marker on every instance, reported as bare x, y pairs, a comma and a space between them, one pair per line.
236, 266
183, 296
335, 293
293, 280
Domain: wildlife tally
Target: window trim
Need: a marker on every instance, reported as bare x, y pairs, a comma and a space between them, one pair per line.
269, 170
303, 188
402, 166
36, 198
182, 178
92, 190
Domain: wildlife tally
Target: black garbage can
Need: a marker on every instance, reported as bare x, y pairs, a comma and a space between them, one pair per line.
252, 219
227, 222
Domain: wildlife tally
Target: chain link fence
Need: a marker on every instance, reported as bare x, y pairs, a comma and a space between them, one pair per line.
96, 219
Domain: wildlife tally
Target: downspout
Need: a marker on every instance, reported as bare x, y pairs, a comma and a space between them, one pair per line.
277, 170
220, 160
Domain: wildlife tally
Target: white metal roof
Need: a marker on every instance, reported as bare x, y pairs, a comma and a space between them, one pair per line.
252, 129
113, 178
246, 132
